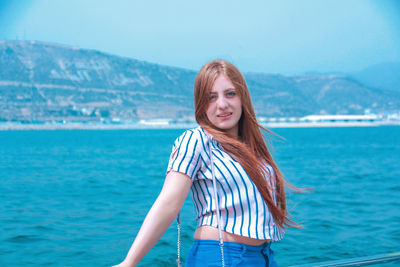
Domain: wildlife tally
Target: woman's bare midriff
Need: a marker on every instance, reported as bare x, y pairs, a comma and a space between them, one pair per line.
206, 232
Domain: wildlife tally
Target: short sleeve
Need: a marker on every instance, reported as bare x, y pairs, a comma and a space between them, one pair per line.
186, 154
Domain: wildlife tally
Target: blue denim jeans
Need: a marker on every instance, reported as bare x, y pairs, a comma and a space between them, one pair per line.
208, 253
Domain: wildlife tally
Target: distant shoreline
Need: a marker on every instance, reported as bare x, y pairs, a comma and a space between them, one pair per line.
89, 126
138, 126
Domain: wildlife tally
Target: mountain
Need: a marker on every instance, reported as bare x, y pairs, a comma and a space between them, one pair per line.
41, 82
301, 95
51, 82
384, 75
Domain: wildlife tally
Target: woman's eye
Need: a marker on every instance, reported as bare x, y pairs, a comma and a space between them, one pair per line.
212, 97
231, 93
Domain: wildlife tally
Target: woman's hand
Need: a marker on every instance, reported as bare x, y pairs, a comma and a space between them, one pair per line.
123, 264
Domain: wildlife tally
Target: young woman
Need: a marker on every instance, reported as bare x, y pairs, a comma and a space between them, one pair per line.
237, 189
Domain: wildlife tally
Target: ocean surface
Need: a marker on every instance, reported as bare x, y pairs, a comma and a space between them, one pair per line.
77, 198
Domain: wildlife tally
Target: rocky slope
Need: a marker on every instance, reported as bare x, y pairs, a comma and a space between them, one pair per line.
42, 82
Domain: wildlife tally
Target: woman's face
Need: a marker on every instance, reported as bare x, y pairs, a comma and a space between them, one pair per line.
225, 107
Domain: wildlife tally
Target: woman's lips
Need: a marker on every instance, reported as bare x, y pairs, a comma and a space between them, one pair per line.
225, 116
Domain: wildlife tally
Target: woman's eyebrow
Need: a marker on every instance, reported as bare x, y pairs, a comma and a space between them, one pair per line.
226, 90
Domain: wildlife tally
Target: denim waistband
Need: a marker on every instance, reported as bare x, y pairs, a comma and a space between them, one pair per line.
264, 248
234, 253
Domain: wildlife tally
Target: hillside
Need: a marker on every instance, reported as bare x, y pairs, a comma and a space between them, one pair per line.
383, 75
42, 82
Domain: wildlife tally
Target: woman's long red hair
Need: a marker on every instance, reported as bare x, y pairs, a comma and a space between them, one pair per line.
250, 151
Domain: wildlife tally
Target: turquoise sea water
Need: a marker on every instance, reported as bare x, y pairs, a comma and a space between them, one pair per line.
77, 198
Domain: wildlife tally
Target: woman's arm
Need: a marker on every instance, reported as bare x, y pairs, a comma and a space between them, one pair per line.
159, 218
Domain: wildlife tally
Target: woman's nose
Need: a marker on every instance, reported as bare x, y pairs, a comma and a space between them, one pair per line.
222, 102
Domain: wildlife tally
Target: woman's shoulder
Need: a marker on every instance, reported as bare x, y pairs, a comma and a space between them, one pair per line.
196, 134
188, 153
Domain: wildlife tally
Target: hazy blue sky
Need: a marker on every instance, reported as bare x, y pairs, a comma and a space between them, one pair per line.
263, 36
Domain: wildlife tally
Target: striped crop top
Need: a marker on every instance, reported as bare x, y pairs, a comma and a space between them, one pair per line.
242, 208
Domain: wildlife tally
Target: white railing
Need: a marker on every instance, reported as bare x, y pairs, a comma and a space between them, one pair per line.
362, 261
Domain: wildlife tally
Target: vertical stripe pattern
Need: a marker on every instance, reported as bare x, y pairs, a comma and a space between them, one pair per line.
242, 208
